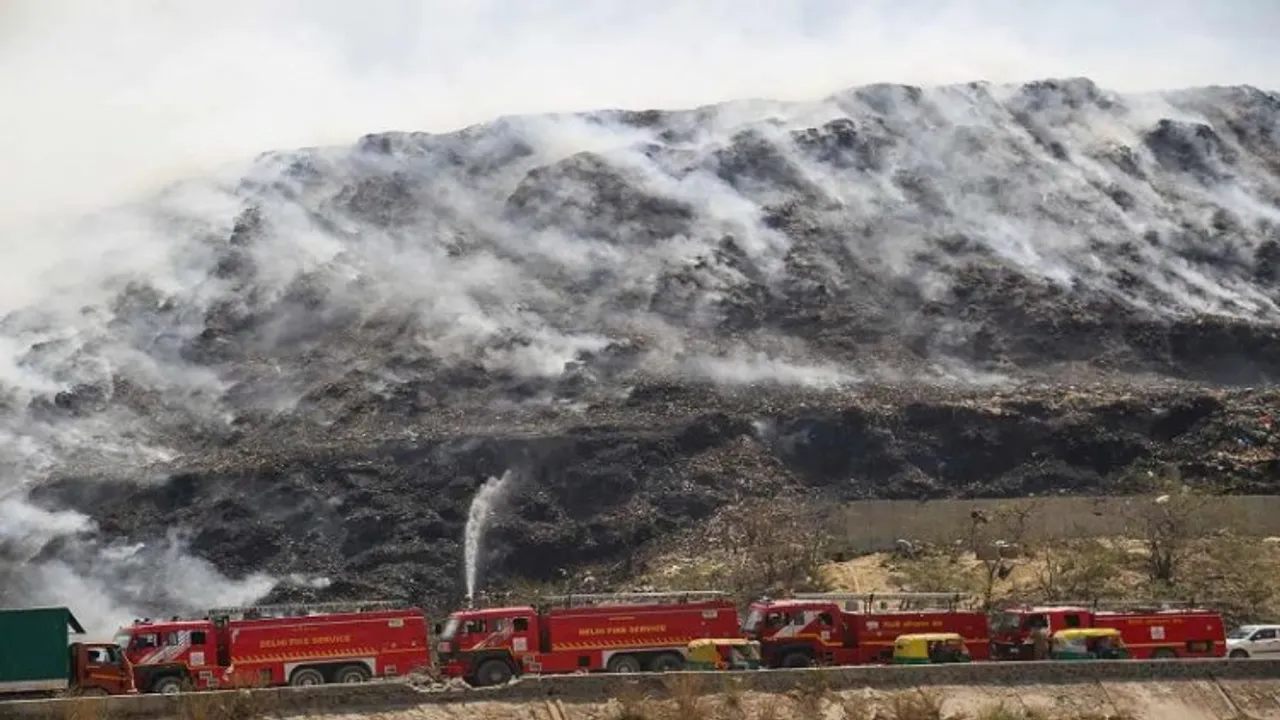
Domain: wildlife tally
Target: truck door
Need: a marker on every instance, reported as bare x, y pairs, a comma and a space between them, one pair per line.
202, 658
100, 668
848, 630
524, 645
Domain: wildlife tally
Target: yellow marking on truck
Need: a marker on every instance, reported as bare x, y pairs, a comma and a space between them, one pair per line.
622, 630
307, 640
609, 644
355, 652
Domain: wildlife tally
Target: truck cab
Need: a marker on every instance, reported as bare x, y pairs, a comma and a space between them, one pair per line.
855, 628
100, 669
169, 656
1151, 629
798, 633
1013, 629
489, 646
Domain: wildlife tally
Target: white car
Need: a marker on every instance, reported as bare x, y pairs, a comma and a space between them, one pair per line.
1249, 641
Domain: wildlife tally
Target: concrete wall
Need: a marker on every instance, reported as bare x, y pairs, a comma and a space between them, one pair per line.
1259, 677
874, 525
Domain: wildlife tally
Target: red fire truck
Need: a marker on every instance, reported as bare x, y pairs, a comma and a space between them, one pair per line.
622, 632
277, 645
1158, 630
855, 629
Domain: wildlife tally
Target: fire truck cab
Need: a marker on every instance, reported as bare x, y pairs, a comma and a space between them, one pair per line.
855, 629
619, 632
1150, 630
276, 645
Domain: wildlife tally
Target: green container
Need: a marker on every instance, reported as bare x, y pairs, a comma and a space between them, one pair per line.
34, 653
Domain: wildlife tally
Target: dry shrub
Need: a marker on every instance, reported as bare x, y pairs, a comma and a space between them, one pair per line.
633, 705
733, 697
1000, 711
223, 705
859, 708
810, 697
916, 705
686, 691
771, 708
84, 707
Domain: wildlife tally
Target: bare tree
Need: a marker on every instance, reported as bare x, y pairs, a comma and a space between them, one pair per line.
1080, 569
1234, 574
778, 545
998, 539
1171, 519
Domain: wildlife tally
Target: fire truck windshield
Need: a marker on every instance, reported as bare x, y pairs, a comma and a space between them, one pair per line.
122, 639
1006, 622
450, 628
752, 621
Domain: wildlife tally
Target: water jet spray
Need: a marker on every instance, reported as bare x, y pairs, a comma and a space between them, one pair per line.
477, 520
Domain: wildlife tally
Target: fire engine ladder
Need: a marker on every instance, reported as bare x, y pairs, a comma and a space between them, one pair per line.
1129, 605
625, 598
905, 600
302, 609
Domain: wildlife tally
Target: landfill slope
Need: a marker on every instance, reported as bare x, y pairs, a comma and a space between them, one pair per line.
890, 292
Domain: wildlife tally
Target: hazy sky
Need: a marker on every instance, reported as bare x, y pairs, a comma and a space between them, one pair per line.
108, 97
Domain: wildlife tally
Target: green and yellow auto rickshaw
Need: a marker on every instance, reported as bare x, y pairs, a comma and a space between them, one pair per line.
723, 654
1088, 644
928, 648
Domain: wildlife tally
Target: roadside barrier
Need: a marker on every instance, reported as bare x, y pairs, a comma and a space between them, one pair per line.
391, 696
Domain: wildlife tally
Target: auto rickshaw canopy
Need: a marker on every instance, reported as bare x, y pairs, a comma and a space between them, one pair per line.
1075, 634
1088, 644
705, 653
915, 647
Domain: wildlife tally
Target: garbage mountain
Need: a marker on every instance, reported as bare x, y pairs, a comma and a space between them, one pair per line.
889, 292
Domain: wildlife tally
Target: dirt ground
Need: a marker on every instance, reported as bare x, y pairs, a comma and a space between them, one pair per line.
1190, 700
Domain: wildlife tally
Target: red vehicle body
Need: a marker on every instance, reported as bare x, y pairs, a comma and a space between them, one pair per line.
276, 645
1148, 633
625, 632
843, 629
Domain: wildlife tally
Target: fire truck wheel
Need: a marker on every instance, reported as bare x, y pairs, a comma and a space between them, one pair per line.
796, 660
623, 664
493, 672
669, 662
1164, 654
351, 674
167, 685
306, 677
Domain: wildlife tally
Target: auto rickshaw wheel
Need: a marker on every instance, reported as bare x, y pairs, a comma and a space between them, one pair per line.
667, 662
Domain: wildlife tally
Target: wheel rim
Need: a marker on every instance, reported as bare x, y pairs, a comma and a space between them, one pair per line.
169, 689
